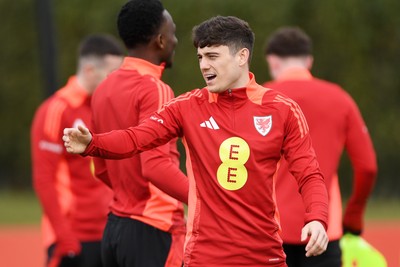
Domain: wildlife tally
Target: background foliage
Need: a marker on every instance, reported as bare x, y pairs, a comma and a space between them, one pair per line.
356, 44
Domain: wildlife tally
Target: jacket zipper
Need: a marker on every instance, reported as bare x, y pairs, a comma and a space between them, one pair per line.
232, 107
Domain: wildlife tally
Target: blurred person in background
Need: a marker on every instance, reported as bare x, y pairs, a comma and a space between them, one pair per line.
335, 125
74, 203
145, 227
235, 133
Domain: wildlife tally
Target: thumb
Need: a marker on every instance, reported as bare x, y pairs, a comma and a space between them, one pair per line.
304, 233
83, 129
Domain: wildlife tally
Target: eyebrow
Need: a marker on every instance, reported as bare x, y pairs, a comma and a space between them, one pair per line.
208, 54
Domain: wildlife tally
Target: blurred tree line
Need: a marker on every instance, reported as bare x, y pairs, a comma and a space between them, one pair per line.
356, 44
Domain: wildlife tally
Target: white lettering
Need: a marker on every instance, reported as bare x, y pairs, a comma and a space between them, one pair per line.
52, 147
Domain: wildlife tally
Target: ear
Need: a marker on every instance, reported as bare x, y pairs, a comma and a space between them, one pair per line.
87, 68
244, 55
272, 61
160, 41
309, 62
274, 65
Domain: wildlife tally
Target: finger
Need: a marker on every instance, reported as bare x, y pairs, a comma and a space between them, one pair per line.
69, 149
67, 131
304, 233
83, 129
311, 246
65, 138
318, 246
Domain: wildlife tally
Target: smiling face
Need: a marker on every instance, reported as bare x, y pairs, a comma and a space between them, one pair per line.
223, 69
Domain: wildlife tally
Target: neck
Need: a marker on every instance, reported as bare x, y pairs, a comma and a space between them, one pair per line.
145, 54
290, 64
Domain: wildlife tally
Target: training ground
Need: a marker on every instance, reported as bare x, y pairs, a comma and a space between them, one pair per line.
20, 246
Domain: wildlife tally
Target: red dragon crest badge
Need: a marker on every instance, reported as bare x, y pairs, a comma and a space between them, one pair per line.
263, 124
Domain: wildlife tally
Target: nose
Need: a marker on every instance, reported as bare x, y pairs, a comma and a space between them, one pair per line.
204, 65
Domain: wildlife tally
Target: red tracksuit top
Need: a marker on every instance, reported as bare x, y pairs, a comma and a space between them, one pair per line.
234, 142
335, 124
74, 202
129, 95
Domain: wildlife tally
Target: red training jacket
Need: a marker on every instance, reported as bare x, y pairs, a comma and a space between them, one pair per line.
234, 141
128, 96
335, 124
73, 201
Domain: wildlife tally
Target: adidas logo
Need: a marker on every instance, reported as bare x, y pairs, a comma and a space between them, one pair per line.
210, 124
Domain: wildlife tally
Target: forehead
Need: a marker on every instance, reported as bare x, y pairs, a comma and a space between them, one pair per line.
168, 22
214, 49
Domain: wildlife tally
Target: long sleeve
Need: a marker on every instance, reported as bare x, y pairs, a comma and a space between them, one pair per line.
363, 159
159, 164
303, 165
47, 155
161, 171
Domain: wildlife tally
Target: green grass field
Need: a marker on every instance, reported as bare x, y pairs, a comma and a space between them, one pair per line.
17, 208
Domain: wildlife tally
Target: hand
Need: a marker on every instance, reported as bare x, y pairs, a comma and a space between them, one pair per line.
66, 253
318, 239
76, 139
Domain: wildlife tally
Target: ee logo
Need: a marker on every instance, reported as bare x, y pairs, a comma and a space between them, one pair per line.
234, 152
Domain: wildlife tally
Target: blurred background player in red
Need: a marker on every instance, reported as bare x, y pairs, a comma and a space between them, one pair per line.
74, 203
145, 227
335, 124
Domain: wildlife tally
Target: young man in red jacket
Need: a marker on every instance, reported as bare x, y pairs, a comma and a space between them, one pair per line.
75, 204
235, 133
335, 124
146, 227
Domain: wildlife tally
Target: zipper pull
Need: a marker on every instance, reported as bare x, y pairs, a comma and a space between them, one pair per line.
230, 92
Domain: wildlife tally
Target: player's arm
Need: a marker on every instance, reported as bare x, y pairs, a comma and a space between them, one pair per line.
361, 152
119, 144
47, 152
161, 165
303, 165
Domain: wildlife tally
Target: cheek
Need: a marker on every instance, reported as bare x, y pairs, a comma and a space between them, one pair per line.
101, 75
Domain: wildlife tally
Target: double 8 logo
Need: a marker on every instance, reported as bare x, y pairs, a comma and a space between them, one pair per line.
234, 152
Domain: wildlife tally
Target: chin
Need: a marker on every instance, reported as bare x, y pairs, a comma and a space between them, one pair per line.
213, 89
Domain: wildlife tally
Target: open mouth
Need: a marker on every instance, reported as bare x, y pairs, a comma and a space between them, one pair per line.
210, 77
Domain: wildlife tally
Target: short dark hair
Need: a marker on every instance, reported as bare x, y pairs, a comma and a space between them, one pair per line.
289, 41
100, 45
230, 31
139, 20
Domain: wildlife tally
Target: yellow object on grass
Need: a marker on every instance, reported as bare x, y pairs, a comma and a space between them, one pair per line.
357, 252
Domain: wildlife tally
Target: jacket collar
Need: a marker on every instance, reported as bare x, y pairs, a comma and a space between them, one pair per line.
73, 92
142, 66
252, 91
